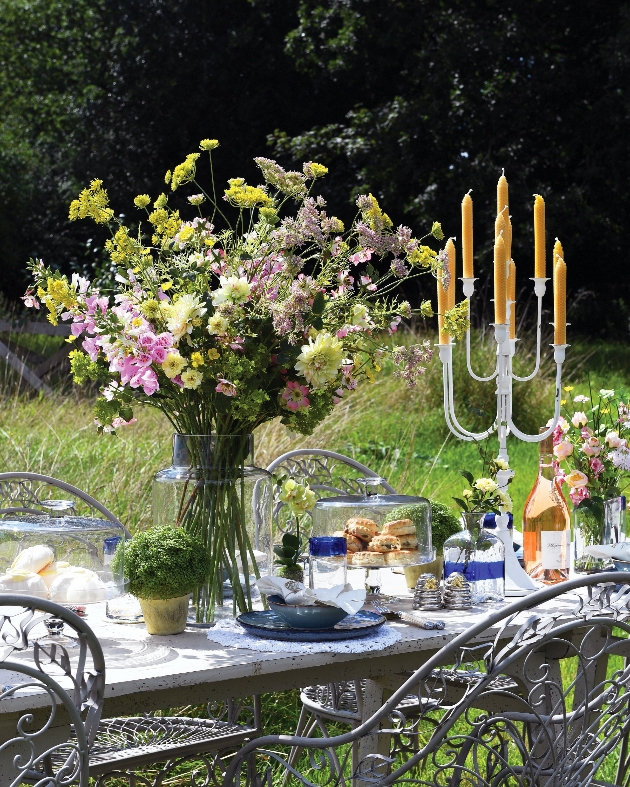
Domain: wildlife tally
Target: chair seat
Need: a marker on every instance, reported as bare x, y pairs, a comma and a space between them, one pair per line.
135, 740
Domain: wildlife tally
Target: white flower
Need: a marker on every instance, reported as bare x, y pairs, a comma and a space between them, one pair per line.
361, 316
621, 458
181, 313
196, 259
486, 485
217, 325
580, 399
606, 393
191, 378
613, 440
579, 419
320, 360
232, 289
506, 502
501, 463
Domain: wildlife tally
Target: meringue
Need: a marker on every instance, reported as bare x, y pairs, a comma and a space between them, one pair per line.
53, 570
77, 585
17, 580
34, 559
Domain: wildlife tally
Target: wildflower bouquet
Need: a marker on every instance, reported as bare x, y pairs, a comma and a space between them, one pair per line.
593, 442
225, 324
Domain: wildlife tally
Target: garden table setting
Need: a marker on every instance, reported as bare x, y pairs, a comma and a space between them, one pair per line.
314, 571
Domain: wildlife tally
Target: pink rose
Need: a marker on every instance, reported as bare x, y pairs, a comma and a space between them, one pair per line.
578, 494
613, 440
592, 447
579, 419
596, 466
563, 450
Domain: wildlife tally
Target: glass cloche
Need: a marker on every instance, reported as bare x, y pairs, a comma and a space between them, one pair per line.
65, 558
380, 529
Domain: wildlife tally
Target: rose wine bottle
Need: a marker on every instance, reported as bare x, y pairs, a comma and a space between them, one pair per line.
546, 524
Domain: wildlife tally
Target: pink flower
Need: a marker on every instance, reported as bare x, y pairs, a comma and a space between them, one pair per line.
91, 348
576, 479
158, 353
225, 387
592, 447
579, 419
146, 379
30, 302
118, 422
361, 256
578, 494
296, 396
597, 466
164, 340
613, 440
561, 476
563, 450
586, 432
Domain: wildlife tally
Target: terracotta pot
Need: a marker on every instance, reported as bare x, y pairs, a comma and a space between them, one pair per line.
165, 615
435, 567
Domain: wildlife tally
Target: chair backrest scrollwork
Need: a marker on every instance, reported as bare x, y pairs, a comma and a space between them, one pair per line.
535, 693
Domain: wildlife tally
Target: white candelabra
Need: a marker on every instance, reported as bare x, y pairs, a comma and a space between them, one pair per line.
517, 582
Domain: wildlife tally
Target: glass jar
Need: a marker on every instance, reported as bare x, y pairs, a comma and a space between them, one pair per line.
363, 521
327, 562
213, 489
597, 523
480, 556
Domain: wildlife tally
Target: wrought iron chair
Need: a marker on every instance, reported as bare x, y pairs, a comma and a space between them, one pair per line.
562, 722
120, 745
328, 474
57, 720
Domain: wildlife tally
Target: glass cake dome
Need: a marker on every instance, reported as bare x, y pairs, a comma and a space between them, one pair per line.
67, 559
380, 530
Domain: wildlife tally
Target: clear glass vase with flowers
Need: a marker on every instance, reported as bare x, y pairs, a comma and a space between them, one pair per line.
593, 459
475, 552
258, 304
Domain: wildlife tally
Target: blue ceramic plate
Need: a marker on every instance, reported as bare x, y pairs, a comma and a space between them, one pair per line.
300, 616
267, 624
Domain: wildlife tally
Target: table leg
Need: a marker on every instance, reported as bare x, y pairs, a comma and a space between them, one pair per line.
372, 744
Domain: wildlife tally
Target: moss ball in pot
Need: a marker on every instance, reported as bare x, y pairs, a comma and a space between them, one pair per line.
164, 565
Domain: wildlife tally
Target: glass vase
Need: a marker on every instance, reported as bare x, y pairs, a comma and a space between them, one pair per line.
480, 556
597, 523
213, 490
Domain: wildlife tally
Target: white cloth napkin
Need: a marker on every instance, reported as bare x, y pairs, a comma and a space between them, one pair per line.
344, 596
615, 551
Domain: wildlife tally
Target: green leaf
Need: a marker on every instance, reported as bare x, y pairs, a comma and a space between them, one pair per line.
468, 476
319, 304
291, 541
318, 323
461, 503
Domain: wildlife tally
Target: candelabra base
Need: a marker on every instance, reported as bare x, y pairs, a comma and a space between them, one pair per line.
517, 582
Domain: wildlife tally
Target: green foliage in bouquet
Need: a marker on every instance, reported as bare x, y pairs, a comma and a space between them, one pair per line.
164, 562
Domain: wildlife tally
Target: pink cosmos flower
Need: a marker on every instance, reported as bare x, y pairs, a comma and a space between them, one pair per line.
118, 422
225, 387
296, 396
361, 256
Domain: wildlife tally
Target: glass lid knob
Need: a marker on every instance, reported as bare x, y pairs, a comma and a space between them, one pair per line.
58, 508
369, 486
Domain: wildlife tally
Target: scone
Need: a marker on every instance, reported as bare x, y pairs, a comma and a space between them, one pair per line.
408, 542
361, 527
354, 544
383, 543
400, 527
368, 559
402, 557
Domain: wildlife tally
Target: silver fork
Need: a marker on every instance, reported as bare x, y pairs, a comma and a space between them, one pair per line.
384, 610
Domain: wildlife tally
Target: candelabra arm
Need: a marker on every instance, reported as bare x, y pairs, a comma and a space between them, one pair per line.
539, 289
446, 356
468, 362
559, 352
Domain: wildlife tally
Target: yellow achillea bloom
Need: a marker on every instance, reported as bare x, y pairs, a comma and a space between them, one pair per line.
208, 144
213, 354
243, 196
123, 248
184, 172
423, 257
142, 200
196, 359
92, 202
375, 217
313, 170
150, 309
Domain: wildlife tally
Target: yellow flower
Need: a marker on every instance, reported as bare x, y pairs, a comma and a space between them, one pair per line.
160, 202
569, 388
243, 196
168, 176
185, 234
142, 201
196, 359
166, 285
436, 230
374, 216
137, 322
173, 364
213, 354
208, 144
320, 360
150, 309
370, 375
191, 378
92, 203
486, 485
217, 325
184, 172
313, 170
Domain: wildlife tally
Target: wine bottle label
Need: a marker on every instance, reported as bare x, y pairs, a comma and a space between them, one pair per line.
555, 548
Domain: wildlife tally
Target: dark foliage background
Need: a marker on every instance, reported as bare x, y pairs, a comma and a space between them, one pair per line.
415, 100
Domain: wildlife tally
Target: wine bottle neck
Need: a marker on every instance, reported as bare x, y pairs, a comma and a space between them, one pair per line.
545, 466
